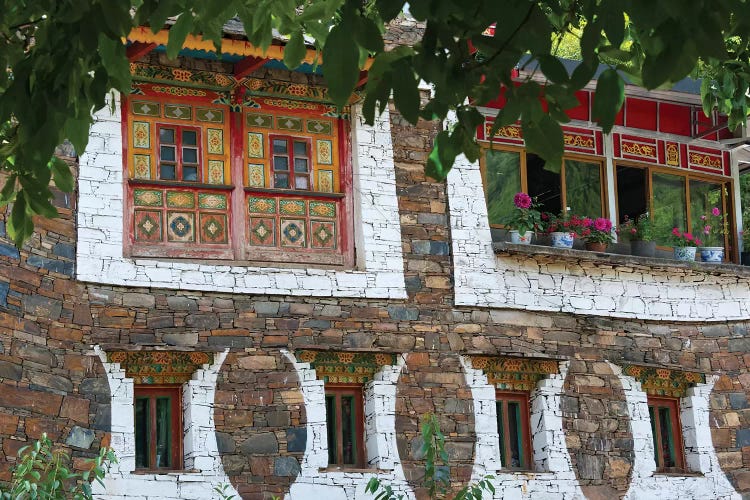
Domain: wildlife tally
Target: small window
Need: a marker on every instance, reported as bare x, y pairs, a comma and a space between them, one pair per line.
665, 426
179, 154
291, 163
346, 423
158, 428
513, 428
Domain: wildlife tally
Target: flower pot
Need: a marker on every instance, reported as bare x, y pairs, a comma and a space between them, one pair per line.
596, 246
712, 254
562, 239
745, 258
684, 253
643, 248
521, 239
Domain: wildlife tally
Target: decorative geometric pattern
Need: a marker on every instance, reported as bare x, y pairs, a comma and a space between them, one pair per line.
147, 226
663, 381
325, 181
215, 171
209, 115
147, 198
256, 175
255, 145
345, 367
322, 234
291, 207
180, 199
278, 87
289, 123
151, 72
319, 127
213, 228
215, 139
160, 367
257, 205
262, 231
212, 201
293, 233
142, 166
325, 151
515, 374
141, 135
145, 108
180, 226
259, 120
178, 111
323, 209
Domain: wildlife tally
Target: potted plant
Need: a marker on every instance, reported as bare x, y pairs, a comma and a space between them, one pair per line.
684, 244
597, 233
563, 229
715, 226
524, 219
640, 233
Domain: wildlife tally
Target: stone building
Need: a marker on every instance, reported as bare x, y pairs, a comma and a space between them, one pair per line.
252, 289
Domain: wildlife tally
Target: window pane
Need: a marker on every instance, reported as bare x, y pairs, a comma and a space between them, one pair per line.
501, 431
667, 440
189, 155
669, 205
300, 148
163, 432
166, 135
703, 197
514, 429
168, 153
141, 433
503, 178
301, 182
189, 137
348, 432
190, 174
583, 188
632, 192
167, 172
280, 163
300, 164
331, 426
279, 146
281, 181
543, 184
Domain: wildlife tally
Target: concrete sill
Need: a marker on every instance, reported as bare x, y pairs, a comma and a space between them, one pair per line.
611, 259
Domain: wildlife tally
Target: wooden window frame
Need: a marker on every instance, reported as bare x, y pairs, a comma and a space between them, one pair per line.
502, 398
673, 404
152, 392
179, 161
357, 392
291, 156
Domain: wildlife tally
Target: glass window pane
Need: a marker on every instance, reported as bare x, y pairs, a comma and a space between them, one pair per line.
543, 185
348, 432
300, 164
281, 181
300, 148
189, 137
331, 427
167, 172
163, 432
168, 153
301, 182
667, 440
704, 196
632, 192
280, 146
514, 429
190, 174
583, 188
141, 433
669, 205
189, 155
503, 180
166, 135
280, 163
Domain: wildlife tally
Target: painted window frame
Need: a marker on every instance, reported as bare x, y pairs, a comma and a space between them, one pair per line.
674, 426
336, 391
523, 400
292, 157
179, 147
151, 393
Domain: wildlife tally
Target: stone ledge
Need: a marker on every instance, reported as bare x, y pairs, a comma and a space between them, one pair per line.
569, 254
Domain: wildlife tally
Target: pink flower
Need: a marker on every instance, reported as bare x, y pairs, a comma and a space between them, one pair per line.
703, 217
602, 224
688, 236
698, 242
716, 212
707, 230
587, 222
633, 231
675, 231
522, 200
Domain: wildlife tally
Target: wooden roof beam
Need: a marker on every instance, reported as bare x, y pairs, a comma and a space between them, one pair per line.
136, 50
247, 65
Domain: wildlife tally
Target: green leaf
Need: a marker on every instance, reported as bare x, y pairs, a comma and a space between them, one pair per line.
608, 98
437, 168
62, 176
406, 93
340, 64
178, 32
582, 75
367, 34
553, 68
545, 138
295, 50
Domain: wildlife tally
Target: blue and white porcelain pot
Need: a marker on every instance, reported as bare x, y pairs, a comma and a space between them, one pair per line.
712, 254
684, 253
521, 239
562, 239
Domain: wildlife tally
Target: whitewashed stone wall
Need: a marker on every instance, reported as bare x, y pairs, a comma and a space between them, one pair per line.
315, 481
553, 476
380, 267
580, 287
201, 452
707, 479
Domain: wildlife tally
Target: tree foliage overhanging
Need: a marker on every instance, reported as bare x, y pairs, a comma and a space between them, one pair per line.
63, 56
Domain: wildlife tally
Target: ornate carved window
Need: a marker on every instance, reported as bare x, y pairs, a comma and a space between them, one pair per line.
345, 425
158, 427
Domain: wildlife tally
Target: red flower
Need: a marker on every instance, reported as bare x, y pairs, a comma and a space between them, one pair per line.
716, 212
522, 200
602, 224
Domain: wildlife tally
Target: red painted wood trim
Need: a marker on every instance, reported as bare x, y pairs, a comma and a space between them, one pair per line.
238, 217
248, 65
128, 229
136, 50
362, 79
346, 220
